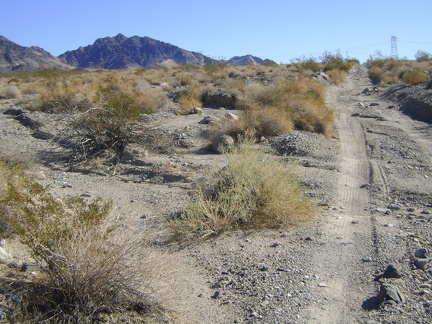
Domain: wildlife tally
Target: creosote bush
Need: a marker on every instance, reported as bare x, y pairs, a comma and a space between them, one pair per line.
282, 106
256, 190
415, 76
84, 272
389, 71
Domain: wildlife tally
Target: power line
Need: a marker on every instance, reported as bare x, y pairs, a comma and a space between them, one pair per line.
426, 43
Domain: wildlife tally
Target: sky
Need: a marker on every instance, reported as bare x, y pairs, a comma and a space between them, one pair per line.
282, 30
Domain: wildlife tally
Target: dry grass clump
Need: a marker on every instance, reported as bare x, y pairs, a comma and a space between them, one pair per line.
278, 108
189, 99
10, 92
301, 101
84, 274
256, 190
306, 63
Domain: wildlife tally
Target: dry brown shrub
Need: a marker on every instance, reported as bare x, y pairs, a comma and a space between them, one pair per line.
415, 76
10, 92
189, 99
86, 271
337, 76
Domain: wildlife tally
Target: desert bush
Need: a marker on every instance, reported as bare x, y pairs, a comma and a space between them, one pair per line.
10, 92
415, 76
279, 107
189, 99
108, 126
306, 63
336, 61
388, 71
256, 190
84, 271
423, 56
337, 76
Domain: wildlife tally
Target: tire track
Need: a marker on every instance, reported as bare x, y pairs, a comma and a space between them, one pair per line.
338, 262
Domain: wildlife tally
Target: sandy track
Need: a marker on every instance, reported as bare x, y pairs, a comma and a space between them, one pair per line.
347, 232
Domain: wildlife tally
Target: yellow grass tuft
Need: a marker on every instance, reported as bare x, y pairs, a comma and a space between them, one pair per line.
257, 190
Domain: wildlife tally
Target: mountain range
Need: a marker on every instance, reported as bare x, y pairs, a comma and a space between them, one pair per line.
118, 52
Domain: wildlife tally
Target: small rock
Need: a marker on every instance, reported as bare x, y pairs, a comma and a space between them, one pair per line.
384, 211
421, 253
275, 244
86, 194
422, 264
390, 292
231, 116
393, 207
263, 268
322, 284
2, 242
368, 259
216, 294
198, 110
222, 143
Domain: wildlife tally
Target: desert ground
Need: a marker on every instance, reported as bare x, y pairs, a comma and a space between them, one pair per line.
371, 181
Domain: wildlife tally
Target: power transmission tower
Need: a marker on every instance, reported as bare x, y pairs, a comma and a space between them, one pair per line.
393, 51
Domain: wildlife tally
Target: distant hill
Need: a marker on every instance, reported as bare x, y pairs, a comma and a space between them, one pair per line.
248, 60
121, 52
14, 57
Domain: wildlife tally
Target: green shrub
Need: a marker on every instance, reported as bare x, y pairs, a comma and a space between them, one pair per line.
415, 76
256, 190
306, 63
108, 126
336, 61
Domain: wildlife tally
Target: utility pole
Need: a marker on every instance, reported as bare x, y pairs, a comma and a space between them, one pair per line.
393, 51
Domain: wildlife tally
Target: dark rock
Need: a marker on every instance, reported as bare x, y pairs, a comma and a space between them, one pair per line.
390, 292
216, 294
421, 253
13, 112
393, 207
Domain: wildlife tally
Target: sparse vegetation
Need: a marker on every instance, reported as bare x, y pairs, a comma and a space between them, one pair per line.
106, 105
415, 76
256, 190
389, 71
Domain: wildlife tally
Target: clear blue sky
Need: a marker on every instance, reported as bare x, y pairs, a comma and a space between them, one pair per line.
278, 30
